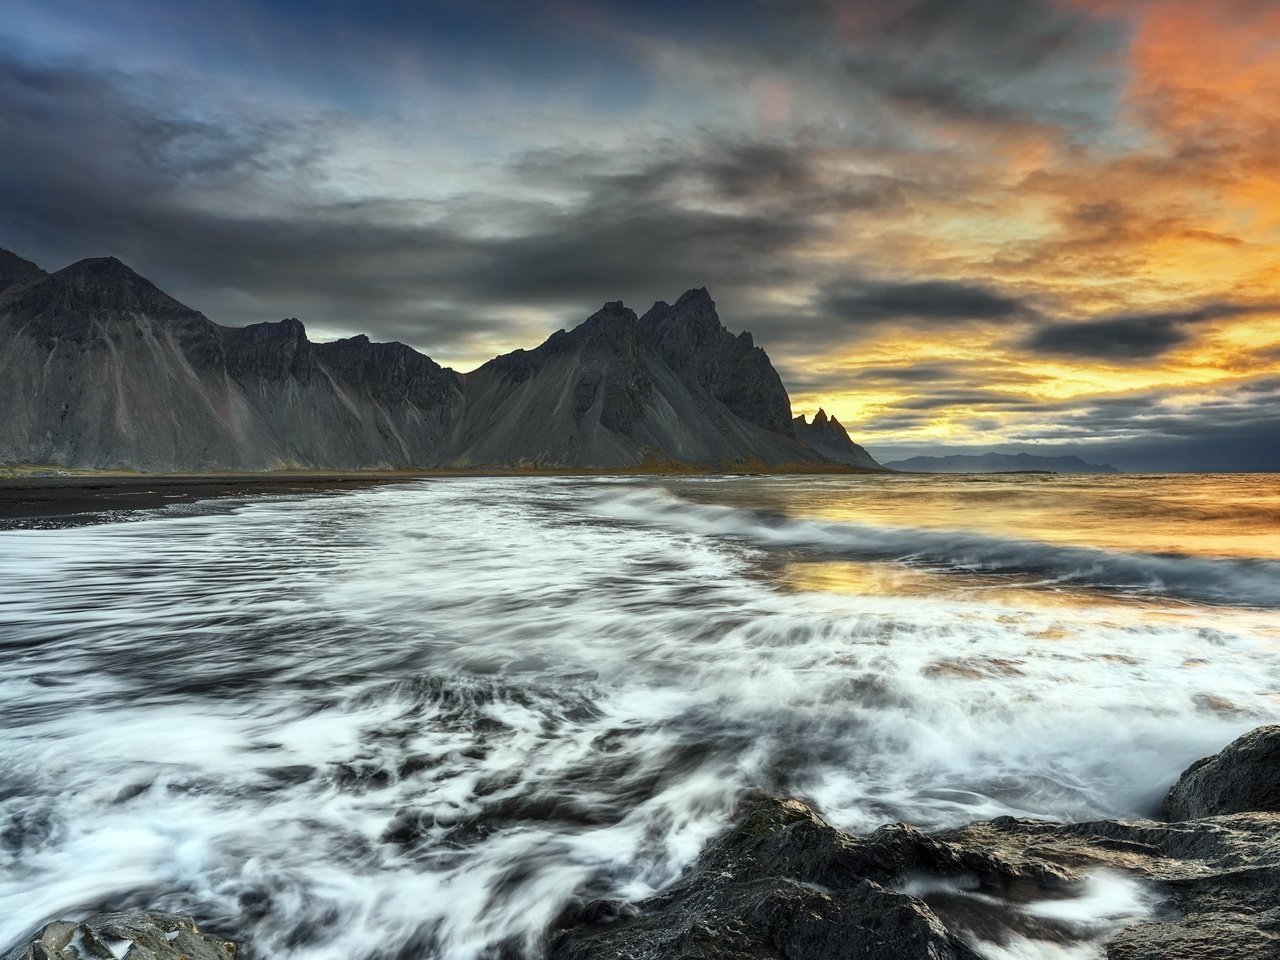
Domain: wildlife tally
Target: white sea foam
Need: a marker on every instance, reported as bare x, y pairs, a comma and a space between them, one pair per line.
429, 714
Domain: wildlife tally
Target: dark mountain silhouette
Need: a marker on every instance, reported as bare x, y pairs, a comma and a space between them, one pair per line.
998, 463
16, 272
827, 436
102, 369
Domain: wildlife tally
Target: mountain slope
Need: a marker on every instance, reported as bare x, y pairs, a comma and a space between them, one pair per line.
998, 463
16, 272
827, 436
606, 394
101, 369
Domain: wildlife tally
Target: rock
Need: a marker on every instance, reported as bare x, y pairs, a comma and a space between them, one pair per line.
1243, 777
785, 884
827, 436
131, 935
16, 272
690, 339
1220, 878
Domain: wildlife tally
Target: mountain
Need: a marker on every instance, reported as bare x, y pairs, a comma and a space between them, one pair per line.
16, 272
998, 463
102, 369
827, 436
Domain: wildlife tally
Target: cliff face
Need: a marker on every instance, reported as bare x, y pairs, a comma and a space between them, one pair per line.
101, 369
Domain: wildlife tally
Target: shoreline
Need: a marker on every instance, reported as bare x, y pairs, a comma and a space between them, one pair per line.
76, 497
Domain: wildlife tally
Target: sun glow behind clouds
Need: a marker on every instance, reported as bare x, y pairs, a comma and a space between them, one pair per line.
1177, 206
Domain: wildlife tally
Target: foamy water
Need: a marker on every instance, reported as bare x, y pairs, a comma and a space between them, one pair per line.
422, 717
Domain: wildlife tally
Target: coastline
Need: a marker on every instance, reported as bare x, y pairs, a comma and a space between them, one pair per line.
68, 497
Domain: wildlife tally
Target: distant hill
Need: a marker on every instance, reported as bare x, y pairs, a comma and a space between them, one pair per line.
998, 463
101, 369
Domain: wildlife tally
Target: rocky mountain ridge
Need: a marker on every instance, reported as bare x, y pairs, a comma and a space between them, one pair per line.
103, 370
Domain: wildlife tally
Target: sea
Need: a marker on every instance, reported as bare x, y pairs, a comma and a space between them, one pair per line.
418, 719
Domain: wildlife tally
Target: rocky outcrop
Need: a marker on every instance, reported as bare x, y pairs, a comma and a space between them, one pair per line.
827, 436
102, 369
133, 935
1243, 777
688, 337
784, 885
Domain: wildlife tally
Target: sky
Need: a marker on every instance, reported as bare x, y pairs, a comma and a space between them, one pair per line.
958, 225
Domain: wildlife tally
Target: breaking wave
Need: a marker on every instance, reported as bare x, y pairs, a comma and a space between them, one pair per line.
419, 720
1247, 581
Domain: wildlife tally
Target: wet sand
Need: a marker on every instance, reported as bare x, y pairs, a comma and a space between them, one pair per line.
73, 500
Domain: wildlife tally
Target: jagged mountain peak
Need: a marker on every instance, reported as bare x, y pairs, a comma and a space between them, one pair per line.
290, 328
613, 314
695, 297
826, 435
103, 270
94, 288
17, 272
694, 309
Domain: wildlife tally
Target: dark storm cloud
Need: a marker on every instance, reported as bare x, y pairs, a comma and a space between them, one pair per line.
227, 204
920, 373
1130, 336
368, 263
987, 62
939, 301
969, 398
773, 177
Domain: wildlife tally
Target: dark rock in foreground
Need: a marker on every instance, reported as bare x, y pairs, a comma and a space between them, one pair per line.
785, 885
133, 935
1243, 777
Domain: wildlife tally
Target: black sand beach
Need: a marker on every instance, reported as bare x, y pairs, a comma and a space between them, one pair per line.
75, 500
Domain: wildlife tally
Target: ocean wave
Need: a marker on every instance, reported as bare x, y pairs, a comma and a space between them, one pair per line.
1245, 581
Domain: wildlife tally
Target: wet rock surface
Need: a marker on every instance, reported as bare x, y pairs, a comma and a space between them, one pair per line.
783, 884
1243, 777
131, 935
